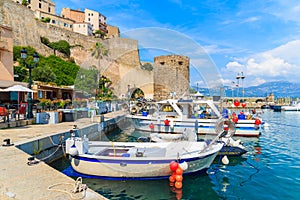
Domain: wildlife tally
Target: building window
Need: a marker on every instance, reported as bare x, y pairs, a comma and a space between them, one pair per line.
71, 26
49, 9
65, 25
89, 14
89, 19
180, 63
92, 14
83, 25
29, 1
40, 5
162, 63
40, 94
53, 21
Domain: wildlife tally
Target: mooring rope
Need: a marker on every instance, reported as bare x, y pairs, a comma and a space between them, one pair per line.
78, 188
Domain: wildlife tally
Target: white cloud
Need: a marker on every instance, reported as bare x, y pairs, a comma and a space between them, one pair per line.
285, 10
281, 63
250, 19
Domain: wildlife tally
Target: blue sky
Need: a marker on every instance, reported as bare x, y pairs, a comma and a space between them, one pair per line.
260, 38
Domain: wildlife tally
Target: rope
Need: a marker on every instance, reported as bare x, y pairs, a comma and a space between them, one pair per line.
33, 162
78, 188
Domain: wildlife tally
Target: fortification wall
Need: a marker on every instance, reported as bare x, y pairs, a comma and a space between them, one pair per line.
27, 31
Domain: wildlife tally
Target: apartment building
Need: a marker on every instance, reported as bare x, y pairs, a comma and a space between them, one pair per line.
97, 20
46, 6
55, 20
76, 15
83, 28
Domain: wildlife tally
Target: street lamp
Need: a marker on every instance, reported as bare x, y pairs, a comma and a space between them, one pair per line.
242, 77
30, 67
237, 84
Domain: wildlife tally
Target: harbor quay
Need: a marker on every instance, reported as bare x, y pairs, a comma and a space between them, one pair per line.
22, 177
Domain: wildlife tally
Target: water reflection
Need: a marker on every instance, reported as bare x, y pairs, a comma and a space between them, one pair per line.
272, 162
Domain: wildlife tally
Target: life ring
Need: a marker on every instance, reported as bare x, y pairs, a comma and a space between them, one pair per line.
257, 122
151, 126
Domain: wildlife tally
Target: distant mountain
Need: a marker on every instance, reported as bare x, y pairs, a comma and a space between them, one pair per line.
278, 88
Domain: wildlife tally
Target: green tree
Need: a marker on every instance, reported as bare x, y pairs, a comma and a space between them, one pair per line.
45, 41
147, 66
25, 3
20, 73
99, 50
86, 80
65, 72
62, 46
46, 20
43, 74
106, 91
17, 53
99, 33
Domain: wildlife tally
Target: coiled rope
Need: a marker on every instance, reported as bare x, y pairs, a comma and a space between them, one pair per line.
73, 193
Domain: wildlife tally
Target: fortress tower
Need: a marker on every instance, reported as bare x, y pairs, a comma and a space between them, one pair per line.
171, 76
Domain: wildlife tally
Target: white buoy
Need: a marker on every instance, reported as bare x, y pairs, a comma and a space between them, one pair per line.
73, 151
225, 160
183, 165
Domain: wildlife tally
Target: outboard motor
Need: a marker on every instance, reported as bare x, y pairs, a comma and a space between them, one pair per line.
76, 145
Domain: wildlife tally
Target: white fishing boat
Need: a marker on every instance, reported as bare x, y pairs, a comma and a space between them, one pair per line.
231, 146
174, 116
134, 160
294, 106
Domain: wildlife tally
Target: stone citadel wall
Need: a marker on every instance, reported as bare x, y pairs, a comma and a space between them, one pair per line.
122, 65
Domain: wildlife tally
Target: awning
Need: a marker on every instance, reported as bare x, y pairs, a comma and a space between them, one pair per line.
17, 88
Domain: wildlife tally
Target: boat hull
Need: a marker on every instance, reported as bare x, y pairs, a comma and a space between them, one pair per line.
128, 169
121, 162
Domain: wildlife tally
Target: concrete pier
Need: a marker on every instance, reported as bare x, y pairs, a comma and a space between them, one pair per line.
18, 180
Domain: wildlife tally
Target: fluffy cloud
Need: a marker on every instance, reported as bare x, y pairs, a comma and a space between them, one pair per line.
281, 63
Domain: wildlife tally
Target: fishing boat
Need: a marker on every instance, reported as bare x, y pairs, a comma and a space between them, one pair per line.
173, 116
134, 160
231, 146
294, 106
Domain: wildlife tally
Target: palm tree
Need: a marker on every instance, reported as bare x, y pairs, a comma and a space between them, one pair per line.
98, 53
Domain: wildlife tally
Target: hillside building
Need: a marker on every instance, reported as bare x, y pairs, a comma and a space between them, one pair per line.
56, 20
46, 6
83, 28
112, 31
96, 19
76, 15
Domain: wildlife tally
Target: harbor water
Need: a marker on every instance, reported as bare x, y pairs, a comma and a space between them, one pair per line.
269, 170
